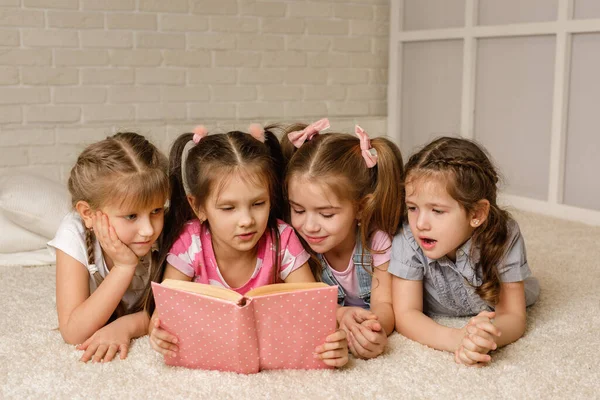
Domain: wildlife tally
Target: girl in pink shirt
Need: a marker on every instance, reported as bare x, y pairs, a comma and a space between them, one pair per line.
345, 195
222, 227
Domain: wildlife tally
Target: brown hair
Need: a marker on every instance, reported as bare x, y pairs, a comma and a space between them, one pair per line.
125, 166
335, 159
470, 177
215, 158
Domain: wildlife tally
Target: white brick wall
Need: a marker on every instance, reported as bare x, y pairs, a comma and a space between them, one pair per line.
75, 71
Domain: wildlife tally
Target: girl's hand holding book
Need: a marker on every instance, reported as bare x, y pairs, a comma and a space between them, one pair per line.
334, 352
116, 250
162, 341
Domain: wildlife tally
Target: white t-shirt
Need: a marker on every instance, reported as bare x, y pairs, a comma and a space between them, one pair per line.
70, 239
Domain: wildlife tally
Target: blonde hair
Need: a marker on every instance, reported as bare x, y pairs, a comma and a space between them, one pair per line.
125, 170
335, 159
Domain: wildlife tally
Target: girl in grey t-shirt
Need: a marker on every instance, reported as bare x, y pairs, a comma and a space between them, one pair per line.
459, 254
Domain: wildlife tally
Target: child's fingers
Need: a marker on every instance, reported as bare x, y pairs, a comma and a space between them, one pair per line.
123, 350
464, 359
110, 353
89, 352
365, 337
473, 330
336, 362
361, 315
468, 344
337, 336
100, 352
164, 344
164, 336
489, 328
332, 354
329, 345
487, 314
84, 345
482, 341
373, 325
162, 351
476, 357
368, 351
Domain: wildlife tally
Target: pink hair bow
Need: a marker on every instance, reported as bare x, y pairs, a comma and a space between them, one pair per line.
368, 153
200, 132
299, 137
257, 132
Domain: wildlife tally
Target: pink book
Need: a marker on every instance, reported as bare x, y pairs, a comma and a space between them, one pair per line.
272, 327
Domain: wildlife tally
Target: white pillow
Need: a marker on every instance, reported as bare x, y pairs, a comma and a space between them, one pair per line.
34, 203
15, 239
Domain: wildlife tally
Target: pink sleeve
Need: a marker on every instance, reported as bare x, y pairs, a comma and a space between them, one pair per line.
381, 241
292, 254
184, 251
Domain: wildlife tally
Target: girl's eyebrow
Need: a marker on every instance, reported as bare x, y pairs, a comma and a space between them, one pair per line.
330, 207
235, 201
435, 205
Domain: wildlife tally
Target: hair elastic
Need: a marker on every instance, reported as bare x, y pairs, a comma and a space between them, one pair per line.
369, 154
299, 137
200, 132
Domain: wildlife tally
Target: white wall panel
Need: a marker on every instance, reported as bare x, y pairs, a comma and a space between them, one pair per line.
584, 9
582, 159
494, 12
513, 116
431, 76
433, 14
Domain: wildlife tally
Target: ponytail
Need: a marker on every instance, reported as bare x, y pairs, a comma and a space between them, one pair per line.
382, 206
491, 240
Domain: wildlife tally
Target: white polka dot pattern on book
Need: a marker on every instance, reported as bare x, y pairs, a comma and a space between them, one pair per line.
273, 331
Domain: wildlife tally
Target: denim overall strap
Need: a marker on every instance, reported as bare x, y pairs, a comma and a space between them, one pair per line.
328, 278
363, 267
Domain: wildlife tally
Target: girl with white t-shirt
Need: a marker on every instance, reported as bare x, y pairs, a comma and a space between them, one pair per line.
103, 248
222, 226
344, 195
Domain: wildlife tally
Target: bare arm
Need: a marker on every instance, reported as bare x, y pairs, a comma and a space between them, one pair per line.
80, 314
510, 313
412, 323
302, 274
381, 297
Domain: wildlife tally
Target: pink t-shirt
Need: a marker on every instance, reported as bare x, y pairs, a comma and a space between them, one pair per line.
193, 255
348, 279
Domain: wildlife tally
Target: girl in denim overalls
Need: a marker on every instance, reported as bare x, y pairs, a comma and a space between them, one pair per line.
345, 196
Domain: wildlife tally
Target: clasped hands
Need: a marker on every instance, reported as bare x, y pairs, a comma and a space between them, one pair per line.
479, 338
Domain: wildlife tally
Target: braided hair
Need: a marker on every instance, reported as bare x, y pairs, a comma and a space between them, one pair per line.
124, 166
470, 177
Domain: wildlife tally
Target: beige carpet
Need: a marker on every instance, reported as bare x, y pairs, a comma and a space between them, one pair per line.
555, 359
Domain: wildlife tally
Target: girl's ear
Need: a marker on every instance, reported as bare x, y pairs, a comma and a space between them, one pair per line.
85, 212
197, 210
482, 209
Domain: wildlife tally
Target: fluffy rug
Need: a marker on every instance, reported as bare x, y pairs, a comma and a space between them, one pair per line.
555, 359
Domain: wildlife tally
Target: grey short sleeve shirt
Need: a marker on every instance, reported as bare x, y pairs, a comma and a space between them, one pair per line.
449, 287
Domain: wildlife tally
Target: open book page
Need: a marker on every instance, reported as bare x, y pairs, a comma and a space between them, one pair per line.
284, 287
290, 325
202, 288
213, 333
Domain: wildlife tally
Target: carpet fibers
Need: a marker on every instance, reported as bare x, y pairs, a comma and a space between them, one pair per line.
555, 359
